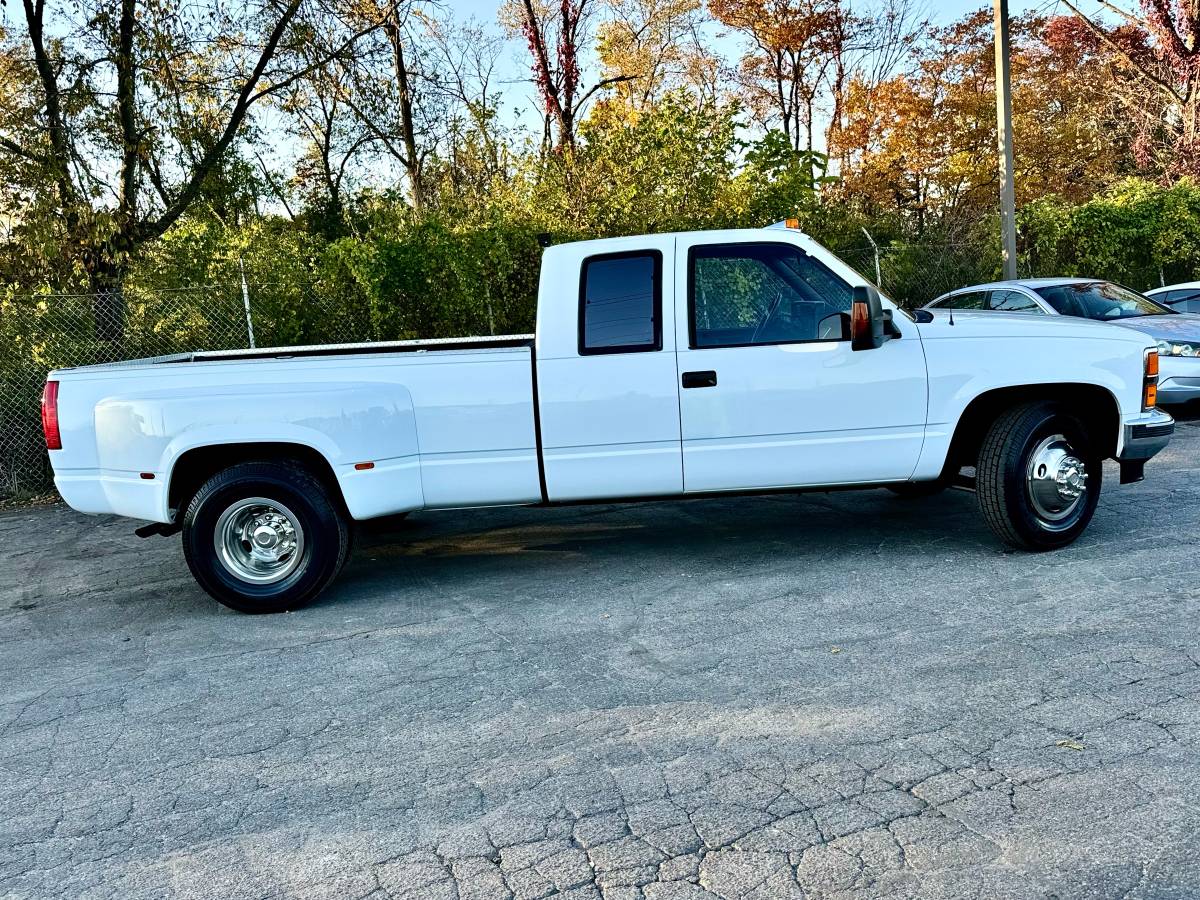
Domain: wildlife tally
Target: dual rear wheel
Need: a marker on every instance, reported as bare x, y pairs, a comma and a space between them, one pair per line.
265, 537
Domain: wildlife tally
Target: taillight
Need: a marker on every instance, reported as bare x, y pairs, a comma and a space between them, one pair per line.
1150, 380
50, 416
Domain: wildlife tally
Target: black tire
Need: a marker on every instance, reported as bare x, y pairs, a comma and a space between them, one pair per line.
1006, 467
914, 490
321, 538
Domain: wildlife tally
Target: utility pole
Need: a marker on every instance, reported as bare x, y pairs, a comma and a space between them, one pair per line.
1008, 198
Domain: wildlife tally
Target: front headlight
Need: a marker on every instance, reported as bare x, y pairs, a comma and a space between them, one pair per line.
1167, 348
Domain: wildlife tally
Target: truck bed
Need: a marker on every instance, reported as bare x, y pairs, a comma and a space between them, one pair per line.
403, 425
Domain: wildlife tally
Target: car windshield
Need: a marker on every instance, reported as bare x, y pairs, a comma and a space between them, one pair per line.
1100, 300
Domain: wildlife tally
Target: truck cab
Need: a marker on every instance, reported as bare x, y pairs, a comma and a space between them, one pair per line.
717, 361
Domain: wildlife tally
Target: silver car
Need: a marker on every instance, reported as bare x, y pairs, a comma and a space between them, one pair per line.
1177, 333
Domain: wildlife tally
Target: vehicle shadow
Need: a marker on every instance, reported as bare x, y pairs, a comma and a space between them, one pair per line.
455, 550
863, 536
1186, 413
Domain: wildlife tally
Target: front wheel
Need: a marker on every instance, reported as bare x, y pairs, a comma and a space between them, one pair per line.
1038, 478
264, 537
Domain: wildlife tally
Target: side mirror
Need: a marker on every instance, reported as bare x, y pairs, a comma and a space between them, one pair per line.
870, 324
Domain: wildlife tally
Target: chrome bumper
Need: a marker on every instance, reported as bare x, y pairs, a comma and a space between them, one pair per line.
1144, 438
1147, 435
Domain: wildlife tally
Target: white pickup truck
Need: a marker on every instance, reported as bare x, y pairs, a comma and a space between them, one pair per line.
670, 365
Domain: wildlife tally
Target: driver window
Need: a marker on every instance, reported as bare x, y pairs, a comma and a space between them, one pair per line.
744, 294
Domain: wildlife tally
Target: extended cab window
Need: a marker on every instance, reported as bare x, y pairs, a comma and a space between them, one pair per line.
743, 294
620, 299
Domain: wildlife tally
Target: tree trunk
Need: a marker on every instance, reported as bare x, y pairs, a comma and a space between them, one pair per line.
1191, 113
808, 129
412, 161
107, 283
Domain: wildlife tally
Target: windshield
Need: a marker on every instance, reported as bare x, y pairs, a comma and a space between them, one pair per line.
1100, 300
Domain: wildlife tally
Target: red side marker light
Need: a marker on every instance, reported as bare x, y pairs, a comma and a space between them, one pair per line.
362, 467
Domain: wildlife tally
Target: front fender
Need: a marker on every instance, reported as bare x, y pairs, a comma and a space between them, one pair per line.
978, 355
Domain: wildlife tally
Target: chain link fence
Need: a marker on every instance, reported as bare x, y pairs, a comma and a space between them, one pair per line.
41, 332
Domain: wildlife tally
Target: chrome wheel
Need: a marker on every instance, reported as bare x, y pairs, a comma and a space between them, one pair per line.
259, 540
1057, 481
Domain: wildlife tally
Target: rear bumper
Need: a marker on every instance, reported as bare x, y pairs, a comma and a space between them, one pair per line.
99, 492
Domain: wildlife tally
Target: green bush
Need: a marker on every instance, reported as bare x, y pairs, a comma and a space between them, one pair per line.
1138, 233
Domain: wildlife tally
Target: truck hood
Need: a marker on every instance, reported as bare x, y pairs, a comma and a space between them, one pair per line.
1179, 327
969, 324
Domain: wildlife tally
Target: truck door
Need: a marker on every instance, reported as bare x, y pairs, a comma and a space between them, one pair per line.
771, 394
606, 378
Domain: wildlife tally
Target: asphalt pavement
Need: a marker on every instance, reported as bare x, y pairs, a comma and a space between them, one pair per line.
831, 695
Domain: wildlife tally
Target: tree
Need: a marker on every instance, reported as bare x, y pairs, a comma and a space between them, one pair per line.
330, 136
922, 144
153, 93
870, 49
475, 154
555, 34
793, 45
649, 47
1161, 48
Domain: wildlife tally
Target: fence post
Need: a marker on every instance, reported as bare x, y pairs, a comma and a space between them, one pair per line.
246, 302
875, 248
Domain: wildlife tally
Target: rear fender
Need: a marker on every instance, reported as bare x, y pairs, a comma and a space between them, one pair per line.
348, 424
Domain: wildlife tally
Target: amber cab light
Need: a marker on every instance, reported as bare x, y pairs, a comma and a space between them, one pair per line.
50, 416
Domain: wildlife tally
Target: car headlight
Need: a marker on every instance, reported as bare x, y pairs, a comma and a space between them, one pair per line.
1168, 348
